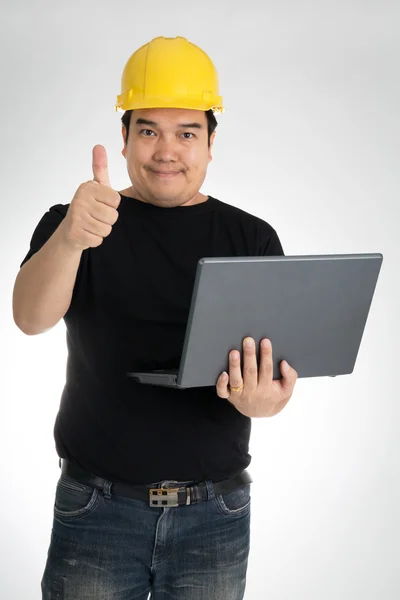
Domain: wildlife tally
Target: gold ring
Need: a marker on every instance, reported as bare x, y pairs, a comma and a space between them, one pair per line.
237, 389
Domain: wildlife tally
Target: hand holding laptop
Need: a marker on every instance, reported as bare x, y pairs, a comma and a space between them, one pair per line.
255, 393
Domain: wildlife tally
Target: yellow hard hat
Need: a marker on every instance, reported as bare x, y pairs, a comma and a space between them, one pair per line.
169, 73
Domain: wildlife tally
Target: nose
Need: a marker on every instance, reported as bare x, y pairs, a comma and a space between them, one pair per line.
166, 150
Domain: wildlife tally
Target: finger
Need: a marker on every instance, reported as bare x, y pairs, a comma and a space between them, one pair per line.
222, 386
289, 376
100, 165
266, 368
235, 371
250, 367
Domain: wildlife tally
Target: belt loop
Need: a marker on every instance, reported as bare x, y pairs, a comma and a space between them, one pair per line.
107, 489
210, 489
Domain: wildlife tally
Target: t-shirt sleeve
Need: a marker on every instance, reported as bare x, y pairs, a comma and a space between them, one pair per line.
45, 229
273, 246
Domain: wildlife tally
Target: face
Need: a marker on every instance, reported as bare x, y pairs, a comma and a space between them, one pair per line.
167, 141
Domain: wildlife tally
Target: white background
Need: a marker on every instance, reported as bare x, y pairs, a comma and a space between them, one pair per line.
310, 143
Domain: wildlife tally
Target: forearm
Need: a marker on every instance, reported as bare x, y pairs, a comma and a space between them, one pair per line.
44, 285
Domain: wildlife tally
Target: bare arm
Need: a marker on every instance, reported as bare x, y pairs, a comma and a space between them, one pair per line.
44, 285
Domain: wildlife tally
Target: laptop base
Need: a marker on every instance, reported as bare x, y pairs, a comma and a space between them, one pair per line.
165, 378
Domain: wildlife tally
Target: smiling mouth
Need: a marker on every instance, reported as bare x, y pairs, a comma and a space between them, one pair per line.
166, 173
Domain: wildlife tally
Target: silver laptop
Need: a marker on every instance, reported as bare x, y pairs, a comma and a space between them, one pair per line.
313, 309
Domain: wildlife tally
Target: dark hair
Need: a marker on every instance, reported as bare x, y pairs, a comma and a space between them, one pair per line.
211, 122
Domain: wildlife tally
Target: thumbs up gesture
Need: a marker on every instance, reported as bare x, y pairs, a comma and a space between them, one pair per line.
93, 209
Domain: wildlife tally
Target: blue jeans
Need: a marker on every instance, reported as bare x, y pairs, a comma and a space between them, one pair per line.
108, 547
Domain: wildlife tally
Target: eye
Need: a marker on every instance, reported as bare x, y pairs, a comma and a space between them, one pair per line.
146, 130
188, 133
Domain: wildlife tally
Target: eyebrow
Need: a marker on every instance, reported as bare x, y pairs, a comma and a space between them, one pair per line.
154, 124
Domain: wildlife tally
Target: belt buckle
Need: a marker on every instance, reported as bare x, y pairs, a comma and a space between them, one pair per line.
160, 497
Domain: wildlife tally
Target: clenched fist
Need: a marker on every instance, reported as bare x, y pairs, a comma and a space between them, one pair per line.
93, 210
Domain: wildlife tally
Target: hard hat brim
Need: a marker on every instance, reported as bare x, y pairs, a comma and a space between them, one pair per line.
126, 103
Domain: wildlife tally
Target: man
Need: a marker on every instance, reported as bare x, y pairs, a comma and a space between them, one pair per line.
119, 268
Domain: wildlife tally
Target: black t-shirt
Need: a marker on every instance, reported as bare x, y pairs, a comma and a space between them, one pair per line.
129, 310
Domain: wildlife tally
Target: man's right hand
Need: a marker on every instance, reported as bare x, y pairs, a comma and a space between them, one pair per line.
93, 209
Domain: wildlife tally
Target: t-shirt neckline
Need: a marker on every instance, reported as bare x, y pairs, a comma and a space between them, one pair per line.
139, 205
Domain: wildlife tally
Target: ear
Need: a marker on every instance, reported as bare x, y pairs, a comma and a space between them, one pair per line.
212, 137
123, 151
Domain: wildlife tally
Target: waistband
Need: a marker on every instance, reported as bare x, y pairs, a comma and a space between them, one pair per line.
159, 496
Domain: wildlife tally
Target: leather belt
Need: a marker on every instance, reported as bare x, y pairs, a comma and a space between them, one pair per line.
157, 497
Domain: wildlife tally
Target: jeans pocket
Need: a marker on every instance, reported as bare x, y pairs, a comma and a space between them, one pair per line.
236, 502
73, 498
